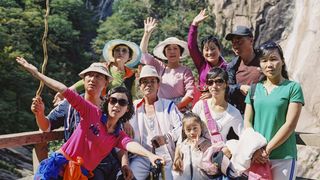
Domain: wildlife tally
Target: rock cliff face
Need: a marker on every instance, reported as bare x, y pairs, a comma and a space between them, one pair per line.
102, 8
296, 26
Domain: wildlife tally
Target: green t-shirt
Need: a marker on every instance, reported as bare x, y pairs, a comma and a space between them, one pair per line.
270, 114
118, 80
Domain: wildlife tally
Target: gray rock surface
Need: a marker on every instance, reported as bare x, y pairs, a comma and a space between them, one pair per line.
296, 26
16, 163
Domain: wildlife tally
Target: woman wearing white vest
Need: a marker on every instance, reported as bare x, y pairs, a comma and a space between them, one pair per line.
157, 122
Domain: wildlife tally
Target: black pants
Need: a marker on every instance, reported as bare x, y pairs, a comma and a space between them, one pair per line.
108, 168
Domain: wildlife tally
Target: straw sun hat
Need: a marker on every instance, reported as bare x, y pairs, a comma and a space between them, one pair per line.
149, 71
158, 50
136, 51
96, 67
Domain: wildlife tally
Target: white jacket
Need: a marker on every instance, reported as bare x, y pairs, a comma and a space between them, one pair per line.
169, 117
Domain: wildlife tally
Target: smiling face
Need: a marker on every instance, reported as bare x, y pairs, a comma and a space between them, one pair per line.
117, 105
271, 64
192, 129
94, 82
149, 86
121, 54
217, 86
172, 52
211, 53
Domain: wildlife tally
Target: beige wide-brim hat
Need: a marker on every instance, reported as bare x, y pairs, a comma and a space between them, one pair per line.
136, 51
97, 67
149, 71
158, 50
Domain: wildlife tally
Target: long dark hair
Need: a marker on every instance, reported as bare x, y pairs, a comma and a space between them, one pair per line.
219, 72
265, 50
120, 89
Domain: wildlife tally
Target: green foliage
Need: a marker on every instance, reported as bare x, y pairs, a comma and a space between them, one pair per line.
174, 18
74, 40
21, 31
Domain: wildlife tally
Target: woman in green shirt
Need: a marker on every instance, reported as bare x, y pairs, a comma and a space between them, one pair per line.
275, 111
120, 56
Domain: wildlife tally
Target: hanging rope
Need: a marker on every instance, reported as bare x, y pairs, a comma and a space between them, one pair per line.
44, 46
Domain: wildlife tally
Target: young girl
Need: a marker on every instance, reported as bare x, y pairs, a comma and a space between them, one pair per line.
189, 153
97, 133
188, 162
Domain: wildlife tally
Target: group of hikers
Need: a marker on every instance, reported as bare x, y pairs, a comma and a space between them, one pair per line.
236, 121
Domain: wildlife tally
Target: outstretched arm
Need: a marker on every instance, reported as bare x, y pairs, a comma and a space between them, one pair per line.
136, 148
51, 83
149, 25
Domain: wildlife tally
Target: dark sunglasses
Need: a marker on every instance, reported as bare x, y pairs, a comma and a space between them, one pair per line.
122, 50
121, 102
269, 45
216, 81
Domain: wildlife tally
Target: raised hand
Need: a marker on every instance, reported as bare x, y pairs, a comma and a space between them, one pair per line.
27, 66
150, 24
200, 17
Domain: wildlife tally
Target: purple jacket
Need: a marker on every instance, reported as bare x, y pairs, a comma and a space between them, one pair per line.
201, 64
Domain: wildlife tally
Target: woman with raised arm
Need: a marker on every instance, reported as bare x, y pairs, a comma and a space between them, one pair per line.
205, 58
97, 133
273, 111
176, 80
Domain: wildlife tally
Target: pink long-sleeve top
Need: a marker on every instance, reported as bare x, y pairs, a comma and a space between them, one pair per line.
175, 83
201, 64
90, 140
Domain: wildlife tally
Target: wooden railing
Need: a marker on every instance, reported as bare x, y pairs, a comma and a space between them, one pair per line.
38, 138
41, 139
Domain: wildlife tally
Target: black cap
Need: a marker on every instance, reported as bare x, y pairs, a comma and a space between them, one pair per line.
240, 31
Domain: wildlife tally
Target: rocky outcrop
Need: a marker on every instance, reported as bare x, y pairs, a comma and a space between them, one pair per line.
296, 26
101, 8
16, 163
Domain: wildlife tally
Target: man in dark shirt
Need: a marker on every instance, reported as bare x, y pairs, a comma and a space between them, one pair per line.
244, 69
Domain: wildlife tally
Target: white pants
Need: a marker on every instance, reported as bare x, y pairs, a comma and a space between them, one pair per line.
283, 169
140, 167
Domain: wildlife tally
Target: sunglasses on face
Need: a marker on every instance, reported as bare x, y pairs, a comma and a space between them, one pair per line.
215, 81
121, 102
269, 45
122, 50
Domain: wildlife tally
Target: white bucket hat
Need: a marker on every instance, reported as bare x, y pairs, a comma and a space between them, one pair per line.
158, 50
136, 51
149, 71
96, 67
